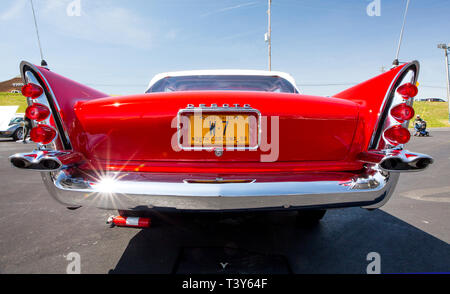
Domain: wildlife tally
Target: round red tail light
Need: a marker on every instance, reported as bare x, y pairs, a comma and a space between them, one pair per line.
32, 90
43, 134
408, 90
402, 112
397, 135
37, 112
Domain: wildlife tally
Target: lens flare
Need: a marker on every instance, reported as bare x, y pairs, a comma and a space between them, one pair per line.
106, 185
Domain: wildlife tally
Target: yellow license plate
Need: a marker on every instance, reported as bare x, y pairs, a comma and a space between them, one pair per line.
224, 130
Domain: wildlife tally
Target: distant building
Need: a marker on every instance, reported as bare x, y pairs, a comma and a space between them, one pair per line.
12, 86
431, 99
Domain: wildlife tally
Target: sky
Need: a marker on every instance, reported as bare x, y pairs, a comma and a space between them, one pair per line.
327, 46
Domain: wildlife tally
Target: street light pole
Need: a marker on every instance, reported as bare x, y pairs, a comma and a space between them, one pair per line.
269, 36
446, 48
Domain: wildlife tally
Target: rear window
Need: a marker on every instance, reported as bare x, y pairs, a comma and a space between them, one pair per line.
223, 83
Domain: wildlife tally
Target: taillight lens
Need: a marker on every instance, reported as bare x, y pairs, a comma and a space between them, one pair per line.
32, 90
408, 90
37, 112
397, 135
402, 112
43, 134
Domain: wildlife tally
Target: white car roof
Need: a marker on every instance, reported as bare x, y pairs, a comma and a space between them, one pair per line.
224, 72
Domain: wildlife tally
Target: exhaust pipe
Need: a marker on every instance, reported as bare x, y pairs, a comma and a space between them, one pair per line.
20, 162
45, 164
46, 161
406, 161
50, 164
391, 164
397, 160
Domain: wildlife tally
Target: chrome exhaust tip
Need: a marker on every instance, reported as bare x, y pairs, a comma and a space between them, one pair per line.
404, 162
422, 163
36, 162
49, 164
21, 163
391, 164
46, 160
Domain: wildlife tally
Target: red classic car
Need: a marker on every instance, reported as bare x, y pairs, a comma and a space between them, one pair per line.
221, 140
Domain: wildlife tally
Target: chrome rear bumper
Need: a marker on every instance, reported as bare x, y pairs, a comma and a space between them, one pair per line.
370, 189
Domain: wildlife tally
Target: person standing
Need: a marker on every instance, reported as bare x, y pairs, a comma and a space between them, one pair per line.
27, 125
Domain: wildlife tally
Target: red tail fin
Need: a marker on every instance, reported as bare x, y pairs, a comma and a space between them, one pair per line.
61, 95
375, 97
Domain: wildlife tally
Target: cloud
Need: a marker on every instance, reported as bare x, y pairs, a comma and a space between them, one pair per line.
230, 8
100, 22
13, 11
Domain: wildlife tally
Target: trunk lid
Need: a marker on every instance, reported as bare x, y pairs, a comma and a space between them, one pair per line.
144, 127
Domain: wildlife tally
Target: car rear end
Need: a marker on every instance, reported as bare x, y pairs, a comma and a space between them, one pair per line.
218, 150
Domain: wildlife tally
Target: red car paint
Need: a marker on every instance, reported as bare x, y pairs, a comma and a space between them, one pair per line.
370, 96
134, 133
67, 93
139, 127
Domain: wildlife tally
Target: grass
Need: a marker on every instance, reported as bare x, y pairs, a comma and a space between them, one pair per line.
7, 99
435, 113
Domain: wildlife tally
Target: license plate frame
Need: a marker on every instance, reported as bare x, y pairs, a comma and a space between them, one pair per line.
252, 115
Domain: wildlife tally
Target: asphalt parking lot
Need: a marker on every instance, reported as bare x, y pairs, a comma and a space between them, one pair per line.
411, 233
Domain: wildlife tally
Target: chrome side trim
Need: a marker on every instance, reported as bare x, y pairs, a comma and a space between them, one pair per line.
218, 181
128, 191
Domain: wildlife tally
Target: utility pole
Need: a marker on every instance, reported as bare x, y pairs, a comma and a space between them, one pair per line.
269, 35
446, 48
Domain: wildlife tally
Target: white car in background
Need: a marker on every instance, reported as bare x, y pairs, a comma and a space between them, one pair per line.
11, 123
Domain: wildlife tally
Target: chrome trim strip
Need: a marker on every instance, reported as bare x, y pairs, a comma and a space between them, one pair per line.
218, 181
129, 192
